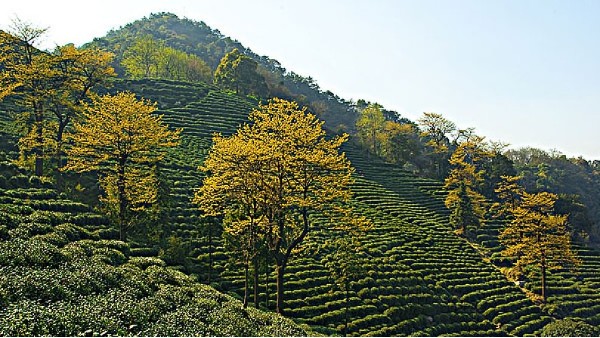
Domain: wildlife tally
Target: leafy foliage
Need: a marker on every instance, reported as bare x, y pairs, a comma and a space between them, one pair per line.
120, 138
569, 328
277, 171
536, 236
237, 72
58, 279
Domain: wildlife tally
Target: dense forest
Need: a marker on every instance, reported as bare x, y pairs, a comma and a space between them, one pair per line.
166, 180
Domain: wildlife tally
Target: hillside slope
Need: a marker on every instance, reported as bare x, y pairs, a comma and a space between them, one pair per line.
195, 37
423, 279
61, 275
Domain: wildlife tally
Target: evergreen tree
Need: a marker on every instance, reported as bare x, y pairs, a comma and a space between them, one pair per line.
239, 73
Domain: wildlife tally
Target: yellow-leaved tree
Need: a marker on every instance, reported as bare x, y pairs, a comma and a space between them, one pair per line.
41, 82
121, 139
278, 170
535, 235
464, 199
81, 70
31, 75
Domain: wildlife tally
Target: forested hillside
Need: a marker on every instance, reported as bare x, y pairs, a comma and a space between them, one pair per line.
422, 247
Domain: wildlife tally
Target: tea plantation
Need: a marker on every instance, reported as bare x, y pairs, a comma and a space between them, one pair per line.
64, 274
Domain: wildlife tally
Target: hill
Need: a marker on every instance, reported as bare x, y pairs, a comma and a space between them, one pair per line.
423, 279
420, 279
195, 37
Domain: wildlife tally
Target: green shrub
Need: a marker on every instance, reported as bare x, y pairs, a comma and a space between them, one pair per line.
569, 327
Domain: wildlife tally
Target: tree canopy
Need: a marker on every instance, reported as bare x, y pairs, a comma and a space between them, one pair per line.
238, 72
278, 170
535, 235
121, 138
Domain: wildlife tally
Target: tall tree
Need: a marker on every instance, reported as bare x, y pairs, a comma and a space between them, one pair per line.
436, 130
347, 263
29, 73
141, 58
121, 138
538, 237
239, 73
400, 142
81, 70
369, 126
464, 198
283, 164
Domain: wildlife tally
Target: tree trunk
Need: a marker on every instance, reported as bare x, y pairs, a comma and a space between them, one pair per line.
39, 139
280, 283
543, 266
255, 277
210, 248
246, 277
267, 281
122, 197
59, 149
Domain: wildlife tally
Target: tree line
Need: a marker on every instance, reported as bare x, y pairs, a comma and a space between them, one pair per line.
67, 126
482, 184
265, 183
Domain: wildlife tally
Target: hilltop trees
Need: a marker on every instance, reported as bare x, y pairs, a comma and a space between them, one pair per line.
238, 72
278, 171
369, 127
436, 130
120, 138
147, 57
535, 235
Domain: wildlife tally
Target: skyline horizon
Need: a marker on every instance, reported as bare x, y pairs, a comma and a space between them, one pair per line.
539, 119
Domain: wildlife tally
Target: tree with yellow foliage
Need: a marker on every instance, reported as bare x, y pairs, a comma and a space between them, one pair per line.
121, 139
29, 73
280, 169
464, 199
81, 70
47, 82
535, 235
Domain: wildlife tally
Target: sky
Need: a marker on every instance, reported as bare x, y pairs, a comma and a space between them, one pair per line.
522, 72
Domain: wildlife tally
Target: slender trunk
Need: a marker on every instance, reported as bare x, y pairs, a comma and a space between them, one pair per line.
39, 139
246, 277
280, 282
210, 249
122, 197
255, 281
267, 281
543, 278
59, 149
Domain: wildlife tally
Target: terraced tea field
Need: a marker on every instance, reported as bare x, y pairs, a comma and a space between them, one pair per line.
61, 274
421, 279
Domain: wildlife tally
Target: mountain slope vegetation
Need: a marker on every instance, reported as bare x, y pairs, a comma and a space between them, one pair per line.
416, 276
62, 275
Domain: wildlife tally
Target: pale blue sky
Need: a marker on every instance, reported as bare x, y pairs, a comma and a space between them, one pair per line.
522, 72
